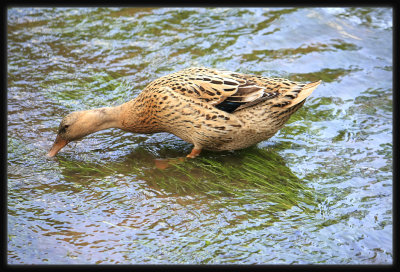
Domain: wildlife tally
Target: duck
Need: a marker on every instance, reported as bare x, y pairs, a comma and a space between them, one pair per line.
212, 109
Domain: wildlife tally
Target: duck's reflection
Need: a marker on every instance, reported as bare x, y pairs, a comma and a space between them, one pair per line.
250, 173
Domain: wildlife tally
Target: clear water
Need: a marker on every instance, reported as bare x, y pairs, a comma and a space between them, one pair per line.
318, 192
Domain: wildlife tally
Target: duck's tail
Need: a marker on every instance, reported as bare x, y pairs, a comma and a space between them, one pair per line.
297, 95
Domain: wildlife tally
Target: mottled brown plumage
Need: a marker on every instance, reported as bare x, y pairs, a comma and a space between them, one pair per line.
212, 109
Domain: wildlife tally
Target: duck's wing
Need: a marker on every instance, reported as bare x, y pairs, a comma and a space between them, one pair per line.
281, 92
228, 91
216, 87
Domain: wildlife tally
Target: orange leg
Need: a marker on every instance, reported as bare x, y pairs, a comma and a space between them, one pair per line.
195, 152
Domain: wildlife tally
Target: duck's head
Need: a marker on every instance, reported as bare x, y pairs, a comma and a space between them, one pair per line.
74, 126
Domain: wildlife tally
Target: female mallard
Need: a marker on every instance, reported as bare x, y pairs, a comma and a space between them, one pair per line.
212, 109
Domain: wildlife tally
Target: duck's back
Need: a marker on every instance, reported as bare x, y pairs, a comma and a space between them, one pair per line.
231, 91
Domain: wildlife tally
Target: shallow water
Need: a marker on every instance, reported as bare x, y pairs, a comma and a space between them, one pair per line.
318, 192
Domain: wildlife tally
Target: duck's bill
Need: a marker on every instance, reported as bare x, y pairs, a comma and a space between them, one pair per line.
59, 143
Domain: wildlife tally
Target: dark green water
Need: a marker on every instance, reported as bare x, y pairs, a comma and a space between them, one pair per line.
318, 192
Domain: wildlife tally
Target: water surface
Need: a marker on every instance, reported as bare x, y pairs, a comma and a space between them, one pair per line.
318, 192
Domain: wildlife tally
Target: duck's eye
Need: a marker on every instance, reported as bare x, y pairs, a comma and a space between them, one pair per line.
62, 130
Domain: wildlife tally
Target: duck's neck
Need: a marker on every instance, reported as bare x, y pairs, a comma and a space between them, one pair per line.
99, 119
131, 116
